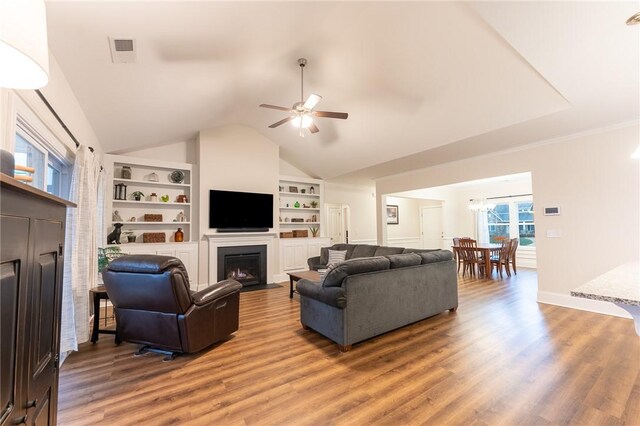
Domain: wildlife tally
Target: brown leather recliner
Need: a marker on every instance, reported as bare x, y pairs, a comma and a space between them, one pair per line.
154, 307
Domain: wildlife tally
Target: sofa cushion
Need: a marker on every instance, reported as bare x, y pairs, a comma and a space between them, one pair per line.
404, 260
436, 256
363, 250
324, 251
335, 277
336, 256
415, 250
385, 251
333, 296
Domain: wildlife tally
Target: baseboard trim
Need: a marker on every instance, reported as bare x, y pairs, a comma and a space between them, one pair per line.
278, 278
567, 301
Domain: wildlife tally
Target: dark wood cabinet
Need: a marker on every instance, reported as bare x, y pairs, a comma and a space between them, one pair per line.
32, 226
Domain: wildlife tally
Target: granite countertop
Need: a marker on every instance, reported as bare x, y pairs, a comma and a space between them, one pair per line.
620, 285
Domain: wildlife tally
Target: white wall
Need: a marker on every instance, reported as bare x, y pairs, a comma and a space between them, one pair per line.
590, 176
408, 219
233, 158
362, 206
180, 152
288, 169
62, 99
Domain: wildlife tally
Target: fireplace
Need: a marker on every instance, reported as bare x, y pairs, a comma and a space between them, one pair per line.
245, 264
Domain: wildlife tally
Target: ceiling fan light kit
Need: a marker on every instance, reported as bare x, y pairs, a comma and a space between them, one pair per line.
302, 113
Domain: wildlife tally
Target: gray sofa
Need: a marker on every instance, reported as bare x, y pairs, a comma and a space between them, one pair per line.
365, 297
356, 251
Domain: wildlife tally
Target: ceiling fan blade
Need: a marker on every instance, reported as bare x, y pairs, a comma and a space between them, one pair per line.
330, 114
275, 107
312, 101
313, 128
281, 122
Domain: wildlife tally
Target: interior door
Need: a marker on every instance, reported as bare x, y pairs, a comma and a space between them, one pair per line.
335, 224
46, 273
431, 220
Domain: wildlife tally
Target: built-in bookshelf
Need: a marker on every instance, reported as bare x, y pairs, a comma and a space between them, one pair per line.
154, 179
308, 194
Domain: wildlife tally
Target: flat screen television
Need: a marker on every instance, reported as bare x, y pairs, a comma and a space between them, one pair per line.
232, 211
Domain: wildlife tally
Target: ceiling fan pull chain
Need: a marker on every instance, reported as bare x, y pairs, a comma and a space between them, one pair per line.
301, 82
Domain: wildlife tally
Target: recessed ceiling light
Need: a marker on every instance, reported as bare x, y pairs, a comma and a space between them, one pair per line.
634, 20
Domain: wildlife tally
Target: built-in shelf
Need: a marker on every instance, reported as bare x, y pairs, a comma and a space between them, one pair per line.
155, 203
151, 223
299, 223
304, 209
298, 194
140, 171
152, 183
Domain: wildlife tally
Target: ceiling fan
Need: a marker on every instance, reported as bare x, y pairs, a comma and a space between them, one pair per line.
302, 113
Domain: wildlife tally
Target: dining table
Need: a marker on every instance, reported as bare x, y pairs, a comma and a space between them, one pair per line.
484, 249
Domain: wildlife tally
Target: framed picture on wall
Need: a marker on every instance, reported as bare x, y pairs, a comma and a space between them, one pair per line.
392, 214
293, 189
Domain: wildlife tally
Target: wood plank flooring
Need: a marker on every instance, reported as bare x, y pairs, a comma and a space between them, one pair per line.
501, 359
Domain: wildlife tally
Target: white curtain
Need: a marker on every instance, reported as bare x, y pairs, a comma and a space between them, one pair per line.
81, 264
482, 226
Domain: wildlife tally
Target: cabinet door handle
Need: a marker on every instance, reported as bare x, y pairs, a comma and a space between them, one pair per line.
30, 404
20, 420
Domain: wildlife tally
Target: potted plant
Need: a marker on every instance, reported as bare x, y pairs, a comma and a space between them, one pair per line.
106, 255
137, 195
314, 231
131, 236
314, 204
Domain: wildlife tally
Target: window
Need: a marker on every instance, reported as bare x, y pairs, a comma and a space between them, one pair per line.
514, 218
526, 227
499, 223
52, 172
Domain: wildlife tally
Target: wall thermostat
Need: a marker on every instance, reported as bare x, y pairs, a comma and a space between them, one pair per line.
552, 211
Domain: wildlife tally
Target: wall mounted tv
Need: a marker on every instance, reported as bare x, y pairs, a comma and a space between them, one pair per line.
231, 211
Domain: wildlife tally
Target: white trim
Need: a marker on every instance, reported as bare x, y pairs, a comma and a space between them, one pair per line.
371, 241
412, 242
567, 301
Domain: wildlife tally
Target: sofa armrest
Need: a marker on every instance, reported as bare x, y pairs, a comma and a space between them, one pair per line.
216, 291
333, 296
313, 263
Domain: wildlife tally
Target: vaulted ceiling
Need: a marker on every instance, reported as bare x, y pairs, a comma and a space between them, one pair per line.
423, 82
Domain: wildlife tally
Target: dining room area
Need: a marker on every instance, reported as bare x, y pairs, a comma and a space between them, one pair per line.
488, 224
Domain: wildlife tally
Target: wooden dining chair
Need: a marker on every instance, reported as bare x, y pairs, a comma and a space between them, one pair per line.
501, 259
469, 255
512, 254
456, 243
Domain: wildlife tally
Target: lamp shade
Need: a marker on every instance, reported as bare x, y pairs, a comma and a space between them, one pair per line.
24, 55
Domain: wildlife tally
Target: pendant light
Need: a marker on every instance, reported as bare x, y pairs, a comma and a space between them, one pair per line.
24, 54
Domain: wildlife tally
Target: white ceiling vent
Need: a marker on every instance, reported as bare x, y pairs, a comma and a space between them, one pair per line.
123, 50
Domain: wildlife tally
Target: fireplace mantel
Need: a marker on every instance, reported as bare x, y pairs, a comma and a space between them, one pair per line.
229, 239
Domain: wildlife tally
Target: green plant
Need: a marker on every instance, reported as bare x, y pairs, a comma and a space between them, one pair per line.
137, 195
106, 255
314, 230
164, 198
314, 204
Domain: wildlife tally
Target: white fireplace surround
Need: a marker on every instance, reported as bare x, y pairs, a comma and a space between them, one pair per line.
231, 239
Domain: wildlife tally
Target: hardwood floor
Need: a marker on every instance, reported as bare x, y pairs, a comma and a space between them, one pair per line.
500, 359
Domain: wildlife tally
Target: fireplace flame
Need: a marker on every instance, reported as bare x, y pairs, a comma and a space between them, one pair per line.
239, 274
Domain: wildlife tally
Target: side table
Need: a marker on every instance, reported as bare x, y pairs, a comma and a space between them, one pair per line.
97, 294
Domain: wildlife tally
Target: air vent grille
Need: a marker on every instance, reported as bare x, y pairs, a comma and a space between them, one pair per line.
123, 49
123, 45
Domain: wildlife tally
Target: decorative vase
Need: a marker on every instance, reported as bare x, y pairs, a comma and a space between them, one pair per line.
153, 197
126, 172
179, 235
131, 238
297, 205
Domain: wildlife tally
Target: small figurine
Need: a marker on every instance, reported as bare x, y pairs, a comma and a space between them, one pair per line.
114, 236
181, 217
312, 190
133, 219
116, 216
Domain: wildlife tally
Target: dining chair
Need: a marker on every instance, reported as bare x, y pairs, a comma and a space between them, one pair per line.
469, 255
512, 254
501, 257
456, 243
